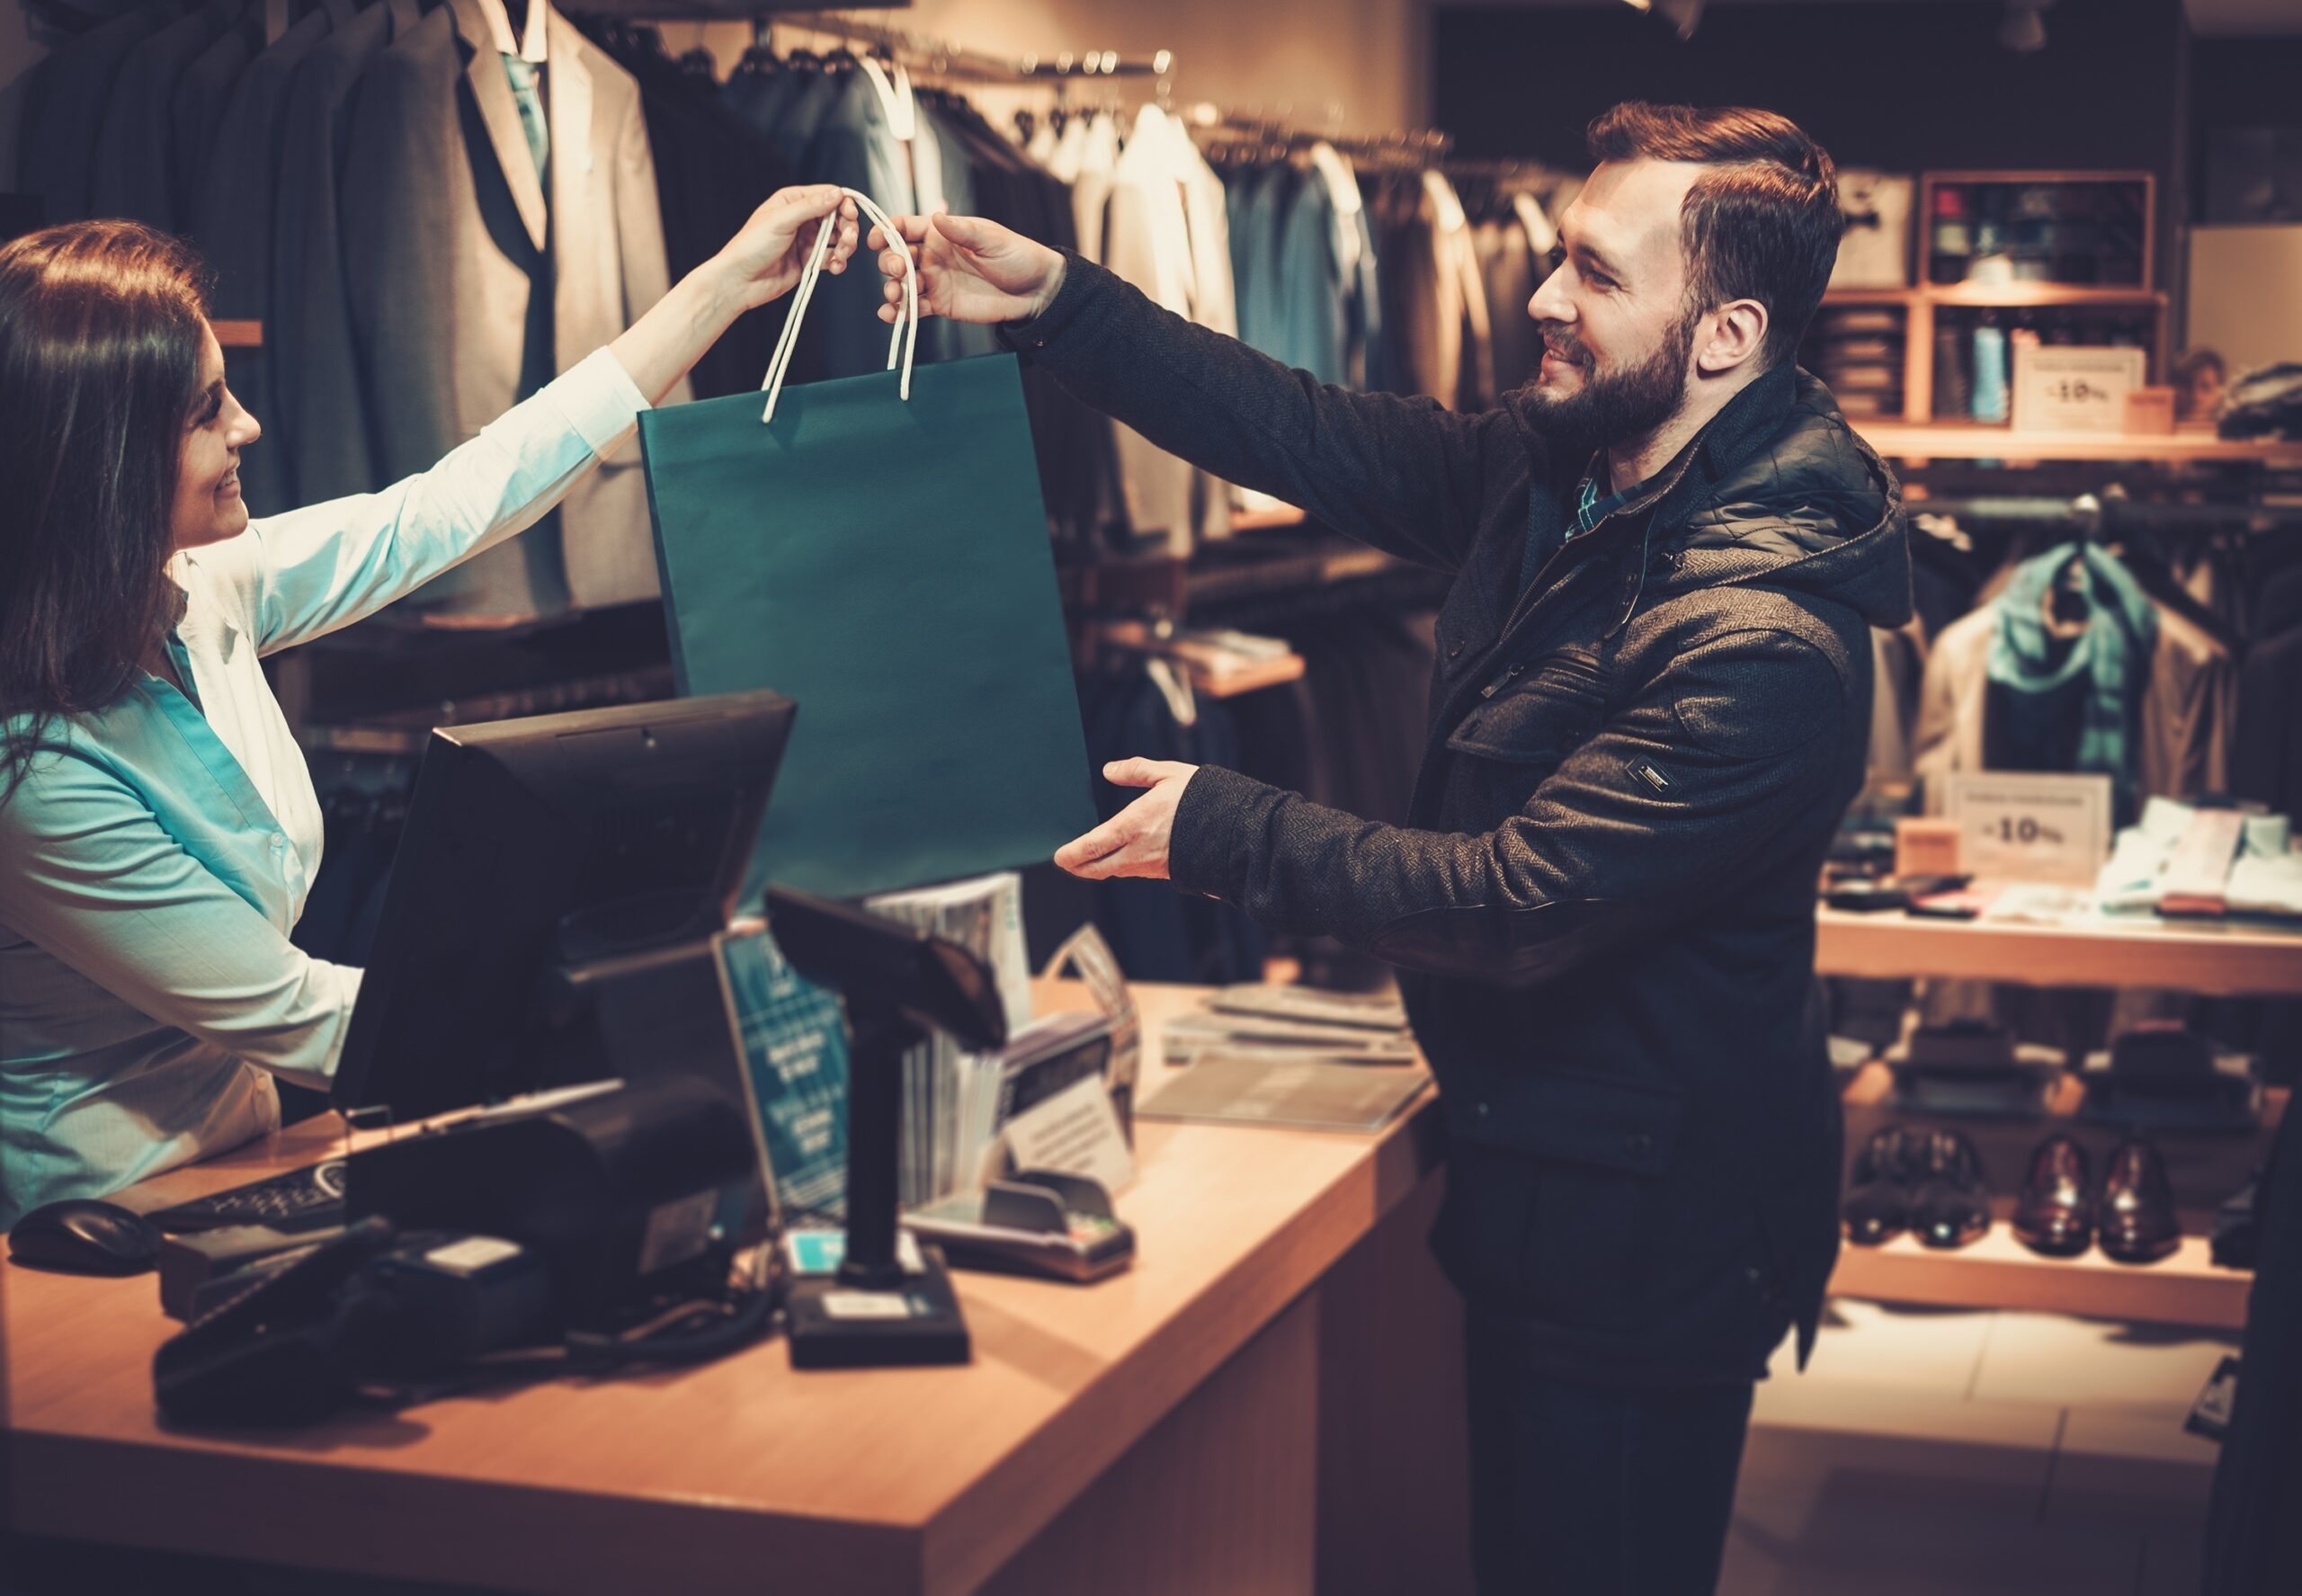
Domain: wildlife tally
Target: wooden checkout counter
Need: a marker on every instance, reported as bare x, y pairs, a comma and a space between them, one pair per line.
1270, 1399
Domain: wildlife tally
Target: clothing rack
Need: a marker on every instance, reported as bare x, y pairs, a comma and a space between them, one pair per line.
1507, 170
2097, 517
942, 58
1227, 132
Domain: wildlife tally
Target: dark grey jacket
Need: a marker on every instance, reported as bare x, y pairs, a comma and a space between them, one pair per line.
1603, 909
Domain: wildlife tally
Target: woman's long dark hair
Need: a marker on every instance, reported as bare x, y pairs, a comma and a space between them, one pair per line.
101, 331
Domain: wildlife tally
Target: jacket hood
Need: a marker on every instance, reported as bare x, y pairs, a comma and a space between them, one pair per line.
1780, 492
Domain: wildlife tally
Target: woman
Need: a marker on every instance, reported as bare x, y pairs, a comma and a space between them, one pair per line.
158, 829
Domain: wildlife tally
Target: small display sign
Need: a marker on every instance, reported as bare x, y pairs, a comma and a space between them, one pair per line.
2054, 830
2070, 388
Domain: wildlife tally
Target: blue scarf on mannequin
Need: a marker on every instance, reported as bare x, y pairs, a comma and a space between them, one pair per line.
2111, 653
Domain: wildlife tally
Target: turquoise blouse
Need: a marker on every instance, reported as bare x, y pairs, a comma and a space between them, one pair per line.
157, 852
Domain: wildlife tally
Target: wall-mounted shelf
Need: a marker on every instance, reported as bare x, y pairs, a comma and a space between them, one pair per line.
239, 334
1266, 521
2003, 295
1955, 441
1230, 684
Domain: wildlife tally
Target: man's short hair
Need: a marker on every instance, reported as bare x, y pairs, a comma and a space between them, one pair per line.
1763, 224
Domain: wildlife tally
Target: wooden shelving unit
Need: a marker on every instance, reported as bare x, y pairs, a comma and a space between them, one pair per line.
239, 334
1919, 304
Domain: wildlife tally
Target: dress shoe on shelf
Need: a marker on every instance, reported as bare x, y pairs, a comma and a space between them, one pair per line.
1950, 1207
2138, 1210
1877, 1199
2055, 1215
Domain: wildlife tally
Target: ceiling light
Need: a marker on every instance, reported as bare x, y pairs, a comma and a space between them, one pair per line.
2024, 30
1681, 15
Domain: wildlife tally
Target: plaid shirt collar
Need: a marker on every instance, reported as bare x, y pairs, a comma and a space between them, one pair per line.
1591, 505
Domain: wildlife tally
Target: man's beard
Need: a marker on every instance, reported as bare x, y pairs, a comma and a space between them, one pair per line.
1614, 407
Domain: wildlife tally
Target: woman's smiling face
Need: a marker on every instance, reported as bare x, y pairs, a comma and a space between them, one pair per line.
207, 507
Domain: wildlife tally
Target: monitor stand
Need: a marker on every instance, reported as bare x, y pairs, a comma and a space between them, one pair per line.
640, 1015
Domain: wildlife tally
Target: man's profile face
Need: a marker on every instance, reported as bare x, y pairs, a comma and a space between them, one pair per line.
1617, 332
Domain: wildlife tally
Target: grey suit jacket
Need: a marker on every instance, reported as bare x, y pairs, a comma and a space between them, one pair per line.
64, 111
470, 283
232, 218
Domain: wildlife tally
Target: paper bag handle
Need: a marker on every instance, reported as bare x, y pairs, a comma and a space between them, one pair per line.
906, 336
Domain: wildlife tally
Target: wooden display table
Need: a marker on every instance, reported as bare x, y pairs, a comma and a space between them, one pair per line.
1232, 1412
2204, 956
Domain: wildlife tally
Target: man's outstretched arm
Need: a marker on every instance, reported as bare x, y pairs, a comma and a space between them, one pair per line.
1404, 475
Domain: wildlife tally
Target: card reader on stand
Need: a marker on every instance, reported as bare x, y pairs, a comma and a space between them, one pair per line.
1036, 1222
898, 982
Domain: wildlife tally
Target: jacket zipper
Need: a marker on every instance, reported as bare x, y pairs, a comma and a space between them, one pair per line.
1531, 599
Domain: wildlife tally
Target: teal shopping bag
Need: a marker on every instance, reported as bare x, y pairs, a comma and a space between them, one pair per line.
884, 561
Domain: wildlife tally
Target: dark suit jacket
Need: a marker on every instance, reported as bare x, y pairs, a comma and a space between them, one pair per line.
316, 383
131, 173
232, 220
65, 110
204, 93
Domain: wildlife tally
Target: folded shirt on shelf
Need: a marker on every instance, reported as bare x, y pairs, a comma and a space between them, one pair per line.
2158, 862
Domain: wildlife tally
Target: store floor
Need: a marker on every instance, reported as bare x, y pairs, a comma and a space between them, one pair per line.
1932, 1452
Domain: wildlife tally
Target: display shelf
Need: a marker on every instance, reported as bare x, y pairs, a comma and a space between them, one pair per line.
1998, 1272
1871, 296
1264, 521
2042, 296
1925, 218
2005, 296
238, 334
2210, 959
1912, 441
1254, 677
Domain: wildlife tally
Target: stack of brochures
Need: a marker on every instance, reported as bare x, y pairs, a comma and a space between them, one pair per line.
1280, 1023
1290, 1056
957, 1103
944, 1086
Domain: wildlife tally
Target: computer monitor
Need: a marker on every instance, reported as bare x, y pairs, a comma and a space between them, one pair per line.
531, 845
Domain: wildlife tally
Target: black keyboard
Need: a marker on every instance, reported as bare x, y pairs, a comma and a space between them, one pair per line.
307, 1198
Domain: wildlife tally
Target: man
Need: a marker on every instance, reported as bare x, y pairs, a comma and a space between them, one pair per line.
1650, 708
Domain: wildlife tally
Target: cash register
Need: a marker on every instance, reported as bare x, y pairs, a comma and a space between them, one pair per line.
535, 851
